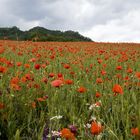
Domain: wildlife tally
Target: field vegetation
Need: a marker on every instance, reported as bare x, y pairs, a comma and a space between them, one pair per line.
69, 91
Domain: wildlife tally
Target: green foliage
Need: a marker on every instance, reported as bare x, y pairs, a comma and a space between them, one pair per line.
41, 34
17, 136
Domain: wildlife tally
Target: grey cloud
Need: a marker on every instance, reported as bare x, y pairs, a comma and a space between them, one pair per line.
119, 30
80, 15
26, 9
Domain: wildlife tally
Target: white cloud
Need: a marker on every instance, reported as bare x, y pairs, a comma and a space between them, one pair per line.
125, 29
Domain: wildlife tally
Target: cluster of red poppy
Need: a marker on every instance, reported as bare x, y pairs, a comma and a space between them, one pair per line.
94, 67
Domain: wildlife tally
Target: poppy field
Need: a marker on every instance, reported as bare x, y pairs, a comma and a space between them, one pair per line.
69, 91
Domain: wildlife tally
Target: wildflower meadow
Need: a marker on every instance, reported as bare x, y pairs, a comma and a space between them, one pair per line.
69, 91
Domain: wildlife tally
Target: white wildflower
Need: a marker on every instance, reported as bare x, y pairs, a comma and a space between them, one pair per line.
56, 117
91, 106
87, 125
93, 118
97, 105
56, 133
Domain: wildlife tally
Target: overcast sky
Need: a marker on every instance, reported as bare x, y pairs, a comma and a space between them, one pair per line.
101, 20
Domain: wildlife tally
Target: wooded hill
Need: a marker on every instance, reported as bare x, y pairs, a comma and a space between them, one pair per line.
40, 34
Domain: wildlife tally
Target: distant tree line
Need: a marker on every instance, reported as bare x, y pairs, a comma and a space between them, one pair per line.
40, 34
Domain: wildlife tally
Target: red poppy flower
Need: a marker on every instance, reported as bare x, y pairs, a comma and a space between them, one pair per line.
103, 72
67, 134
59, 75
119, 67
27, 65
81, 89
14, 80
33, 104
18, 64
138, 75
98, 94
99, 80
37, 66
36, 86
117, 89
23, 79
28, 76
100, 61
57, 83
15, 87
129, 70
3, 69
66, 66
40, 99
20, 53
135, 131
96, 128
51, 74
45, 80
68, 82
72, 72
43, 65
9, 63
126, 78
32, 60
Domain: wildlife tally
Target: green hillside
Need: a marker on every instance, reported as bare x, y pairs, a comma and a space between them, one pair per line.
40, 34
